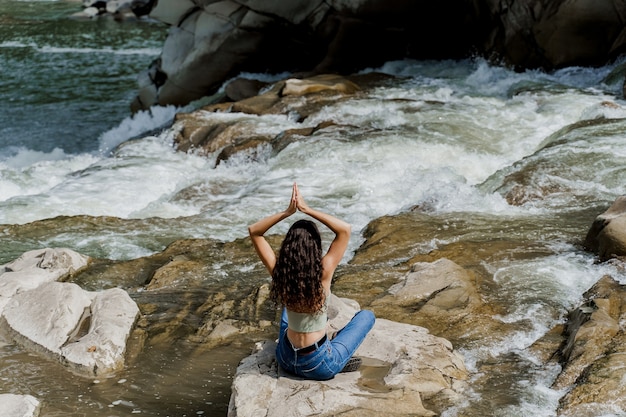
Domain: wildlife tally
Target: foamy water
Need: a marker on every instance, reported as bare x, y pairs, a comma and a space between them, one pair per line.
433, 147
443, 138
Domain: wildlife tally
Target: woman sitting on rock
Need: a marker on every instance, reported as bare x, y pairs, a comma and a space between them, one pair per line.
301, 279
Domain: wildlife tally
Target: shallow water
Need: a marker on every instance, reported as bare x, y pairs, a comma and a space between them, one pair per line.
453, 138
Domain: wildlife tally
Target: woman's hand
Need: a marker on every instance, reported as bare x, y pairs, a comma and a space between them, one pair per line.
299, 200
293, 203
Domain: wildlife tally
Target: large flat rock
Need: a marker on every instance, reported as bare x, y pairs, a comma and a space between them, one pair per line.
402, 365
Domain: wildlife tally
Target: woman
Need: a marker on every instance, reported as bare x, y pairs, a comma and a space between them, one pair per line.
301, 279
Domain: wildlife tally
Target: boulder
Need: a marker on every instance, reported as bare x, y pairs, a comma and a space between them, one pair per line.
443, 297
594, 355
170, 12
86, 331
12, 405
213, 41
590, 330
438, 288
242, 88
36, 267
607, 235
562, 24
403, 366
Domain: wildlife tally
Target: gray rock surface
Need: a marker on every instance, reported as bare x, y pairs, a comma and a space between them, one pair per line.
211, 42
13, 405
86, 331
402, 366
36, 267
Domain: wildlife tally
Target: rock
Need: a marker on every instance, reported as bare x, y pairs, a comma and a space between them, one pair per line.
12, 405
294, 11
315, 84
87, 13
101, 350
440, 287
170, 12
560, 24
211, 42
242, 88
171, 273
199, 132
209, 130
441, 296
607, 235
601, 391
593, 355
87, 331
261, 104
402, 365
37, 267
590, 329
205, 34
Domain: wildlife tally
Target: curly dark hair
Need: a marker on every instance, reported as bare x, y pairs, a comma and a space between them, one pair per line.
297, 277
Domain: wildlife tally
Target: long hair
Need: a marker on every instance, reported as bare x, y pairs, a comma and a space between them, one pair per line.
297, 277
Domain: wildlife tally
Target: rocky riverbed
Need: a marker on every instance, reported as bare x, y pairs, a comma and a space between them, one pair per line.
211, 296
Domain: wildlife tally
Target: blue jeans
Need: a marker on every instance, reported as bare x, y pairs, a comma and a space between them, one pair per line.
330, 357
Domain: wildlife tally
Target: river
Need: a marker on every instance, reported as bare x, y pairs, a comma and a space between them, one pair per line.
443, 136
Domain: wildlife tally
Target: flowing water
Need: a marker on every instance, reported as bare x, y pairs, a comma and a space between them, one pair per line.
446, 136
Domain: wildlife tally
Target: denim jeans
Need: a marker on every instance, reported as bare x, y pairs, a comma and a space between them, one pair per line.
330, 357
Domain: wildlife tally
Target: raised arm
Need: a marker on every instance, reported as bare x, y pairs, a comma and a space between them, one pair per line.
341, 229
258, 230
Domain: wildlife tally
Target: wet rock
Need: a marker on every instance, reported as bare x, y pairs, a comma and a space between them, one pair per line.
12, 405
262, 103
174, 272
36, 267
86, 331
607, 235
205, 132
242, 88
590, 329
433, 289
441, 296
285, 96
315, 84
402, 365
261, 37
594, 354
548, 173
196, 292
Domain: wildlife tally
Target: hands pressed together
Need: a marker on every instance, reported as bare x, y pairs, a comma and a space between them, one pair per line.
297, 201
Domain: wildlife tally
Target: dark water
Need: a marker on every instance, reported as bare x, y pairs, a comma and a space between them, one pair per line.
66, 81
